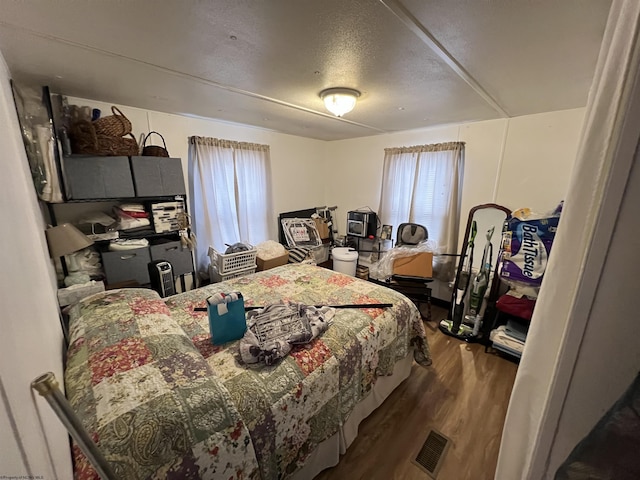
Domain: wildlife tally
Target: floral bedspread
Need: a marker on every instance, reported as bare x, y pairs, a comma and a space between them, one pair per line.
163, 402
147, 397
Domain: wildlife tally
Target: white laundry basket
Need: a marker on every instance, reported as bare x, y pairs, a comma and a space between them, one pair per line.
345, 260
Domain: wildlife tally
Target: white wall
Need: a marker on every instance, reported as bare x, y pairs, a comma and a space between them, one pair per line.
518, 162
528, 168
539, 155
33, 441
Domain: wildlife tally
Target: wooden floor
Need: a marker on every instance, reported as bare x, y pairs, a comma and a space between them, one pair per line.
464, 395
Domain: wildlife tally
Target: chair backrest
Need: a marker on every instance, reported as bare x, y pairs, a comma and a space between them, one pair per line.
411, 234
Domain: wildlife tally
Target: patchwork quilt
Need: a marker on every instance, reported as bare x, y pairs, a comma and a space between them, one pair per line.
162, 402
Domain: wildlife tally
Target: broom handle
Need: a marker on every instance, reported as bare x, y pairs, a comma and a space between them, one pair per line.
358, 305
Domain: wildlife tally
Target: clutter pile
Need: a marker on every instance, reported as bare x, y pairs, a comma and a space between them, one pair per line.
274, 330
133, 217
305, 242
526, 245
517, 309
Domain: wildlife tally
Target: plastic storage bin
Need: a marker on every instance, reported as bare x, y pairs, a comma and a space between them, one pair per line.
126, 265
321, 253
345, 260
216, 276
231, 262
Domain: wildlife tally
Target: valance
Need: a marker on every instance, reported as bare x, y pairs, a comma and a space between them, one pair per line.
434, 147
218, 142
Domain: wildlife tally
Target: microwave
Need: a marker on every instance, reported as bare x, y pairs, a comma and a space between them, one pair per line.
362, 224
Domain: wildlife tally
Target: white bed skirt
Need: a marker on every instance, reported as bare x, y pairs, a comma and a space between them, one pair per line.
327, 454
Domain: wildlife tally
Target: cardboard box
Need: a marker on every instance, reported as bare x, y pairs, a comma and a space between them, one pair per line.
322, 227
272, 263
418, 265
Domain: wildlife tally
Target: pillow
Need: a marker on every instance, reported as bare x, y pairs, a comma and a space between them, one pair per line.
299, 254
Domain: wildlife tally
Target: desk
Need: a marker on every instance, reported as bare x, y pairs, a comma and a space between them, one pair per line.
417, 291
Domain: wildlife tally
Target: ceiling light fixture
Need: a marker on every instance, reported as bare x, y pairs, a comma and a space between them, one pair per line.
339, 100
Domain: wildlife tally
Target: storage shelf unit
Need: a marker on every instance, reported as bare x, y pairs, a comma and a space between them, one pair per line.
368, 246
104, 181
100, 181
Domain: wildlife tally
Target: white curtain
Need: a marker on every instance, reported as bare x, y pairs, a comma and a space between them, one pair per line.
254, 191
423, 184
536, 437
230, 194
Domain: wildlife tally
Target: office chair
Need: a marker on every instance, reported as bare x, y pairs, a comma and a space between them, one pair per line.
411, 234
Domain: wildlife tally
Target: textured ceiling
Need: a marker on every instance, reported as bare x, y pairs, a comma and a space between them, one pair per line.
417, 63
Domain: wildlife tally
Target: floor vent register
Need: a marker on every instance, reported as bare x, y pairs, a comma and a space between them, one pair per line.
432, 453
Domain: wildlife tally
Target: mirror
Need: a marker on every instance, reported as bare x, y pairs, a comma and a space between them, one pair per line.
475, 284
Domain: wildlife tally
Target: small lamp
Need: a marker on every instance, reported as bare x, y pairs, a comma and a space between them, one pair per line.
339, 100
66, 239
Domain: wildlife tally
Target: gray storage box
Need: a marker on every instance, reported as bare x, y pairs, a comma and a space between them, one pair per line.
157, 176
125, 265
97, 177
174, 253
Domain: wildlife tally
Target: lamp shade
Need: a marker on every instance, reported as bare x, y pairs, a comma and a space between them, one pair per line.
65, 239
339, 100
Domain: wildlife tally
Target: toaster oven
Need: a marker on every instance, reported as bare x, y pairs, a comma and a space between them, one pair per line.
362, 224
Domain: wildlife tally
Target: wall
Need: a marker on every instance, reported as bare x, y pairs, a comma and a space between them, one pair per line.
33, 441
517, 162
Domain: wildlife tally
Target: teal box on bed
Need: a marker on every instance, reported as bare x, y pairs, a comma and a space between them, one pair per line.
227, 320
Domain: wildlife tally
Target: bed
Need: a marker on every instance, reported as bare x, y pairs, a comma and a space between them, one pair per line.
162, 402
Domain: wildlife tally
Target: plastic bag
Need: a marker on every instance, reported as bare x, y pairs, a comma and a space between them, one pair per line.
383, 268
88, 261
270, 249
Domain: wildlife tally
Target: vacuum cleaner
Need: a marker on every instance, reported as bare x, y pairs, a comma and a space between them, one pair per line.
469, 329
479, 286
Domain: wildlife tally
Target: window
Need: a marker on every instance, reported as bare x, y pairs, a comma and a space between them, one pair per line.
230, 194
423, 184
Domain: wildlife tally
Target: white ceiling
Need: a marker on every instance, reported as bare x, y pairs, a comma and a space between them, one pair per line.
417, 63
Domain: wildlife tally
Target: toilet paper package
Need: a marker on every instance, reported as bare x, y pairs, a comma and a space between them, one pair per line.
526, 245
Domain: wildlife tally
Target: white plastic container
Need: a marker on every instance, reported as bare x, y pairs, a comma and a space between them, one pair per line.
345, 260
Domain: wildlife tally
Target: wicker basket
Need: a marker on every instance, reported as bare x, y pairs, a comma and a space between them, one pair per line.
86, 141
116, 125
154, 150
